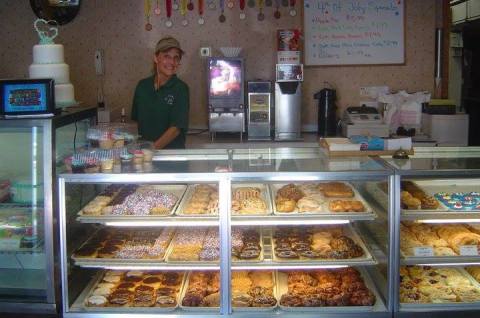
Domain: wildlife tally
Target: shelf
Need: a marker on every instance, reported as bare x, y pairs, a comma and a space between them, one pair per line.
440, 215
440, 260
263, 220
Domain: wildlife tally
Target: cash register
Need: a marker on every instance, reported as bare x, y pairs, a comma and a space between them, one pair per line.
363, 120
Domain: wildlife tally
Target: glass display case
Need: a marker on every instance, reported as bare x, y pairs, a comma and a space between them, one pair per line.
241, 232
31, 149
438, 238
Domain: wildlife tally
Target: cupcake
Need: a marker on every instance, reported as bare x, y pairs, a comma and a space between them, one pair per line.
106, 165
147, 155
138, 157
106, 143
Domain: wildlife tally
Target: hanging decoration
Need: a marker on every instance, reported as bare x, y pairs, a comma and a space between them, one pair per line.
222, 18
190, 5
157, 9
183, 12
277, 13
175, 5
147, 10
242, 10
293, 12
211, 4
260, 15
168, 8
201, 20
230, 4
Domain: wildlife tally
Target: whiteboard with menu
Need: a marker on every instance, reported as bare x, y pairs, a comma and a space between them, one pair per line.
350, 32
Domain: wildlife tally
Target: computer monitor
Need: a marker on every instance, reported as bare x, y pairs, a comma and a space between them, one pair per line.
27, 97
225, 83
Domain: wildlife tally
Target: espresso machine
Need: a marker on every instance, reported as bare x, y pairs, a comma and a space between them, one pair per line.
288, 101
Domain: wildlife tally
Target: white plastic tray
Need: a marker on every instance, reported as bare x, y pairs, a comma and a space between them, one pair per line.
239, 309
282, 288
427, 306
348, 231
82, 300
325, 205
177, 190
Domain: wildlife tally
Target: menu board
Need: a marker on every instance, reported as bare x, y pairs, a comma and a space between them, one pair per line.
348, 32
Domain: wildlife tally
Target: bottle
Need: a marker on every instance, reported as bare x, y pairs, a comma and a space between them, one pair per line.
123, 118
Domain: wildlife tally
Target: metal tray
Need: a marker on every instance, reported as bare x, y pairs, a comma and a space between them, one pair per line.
437, 306
282, 288
367, 258
264, 193
238, 309
326, 211
186, 199
177, 190
235, 260
80, 302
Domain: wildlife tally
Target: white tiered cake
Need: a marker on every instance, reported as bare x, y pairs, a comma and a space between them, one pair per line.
48, 62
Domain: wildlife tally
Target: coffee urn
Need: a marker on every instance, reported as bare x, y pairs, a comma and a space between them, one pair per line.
327, 120
288, 101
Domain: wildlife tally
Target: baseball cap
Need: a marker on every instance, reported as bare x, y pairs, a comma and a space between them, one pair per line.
167, 43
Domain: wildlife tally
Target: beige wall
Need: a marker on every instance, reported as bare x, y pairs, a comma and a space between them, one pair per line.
117, 26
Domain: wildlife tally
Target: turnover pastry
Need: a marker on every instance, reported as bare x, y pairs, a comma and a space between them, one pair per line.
346, 206
336, 190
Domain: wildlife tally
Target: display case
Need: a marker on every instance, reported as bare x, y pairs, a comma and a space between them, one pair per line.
437, 239
240, 232
31, 151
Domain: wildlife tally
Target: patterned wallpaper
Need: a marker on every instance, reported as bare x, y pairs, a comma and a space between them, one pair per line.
117, 27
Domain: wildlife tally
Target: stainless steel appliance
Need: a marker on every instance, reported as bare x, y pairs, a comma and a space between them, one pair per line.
288, 101
259, 106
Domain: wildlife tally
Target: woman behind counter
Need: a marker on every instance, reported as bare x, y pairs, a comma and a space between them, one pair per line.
161, 101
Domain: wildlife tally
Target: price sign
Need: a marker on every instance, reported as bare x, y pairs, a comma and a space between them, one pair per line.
423, 251
9, 244
469, 250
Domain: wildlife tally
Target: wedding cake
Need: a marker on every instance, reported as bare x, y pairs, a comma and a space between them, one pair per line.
48, 62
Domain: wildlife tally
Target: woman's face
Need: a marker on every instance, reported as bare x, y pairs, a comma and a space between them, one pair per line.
167, 62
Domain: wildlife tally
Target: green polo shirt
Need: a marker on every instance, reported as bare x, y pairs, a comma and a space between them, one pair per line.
157, 110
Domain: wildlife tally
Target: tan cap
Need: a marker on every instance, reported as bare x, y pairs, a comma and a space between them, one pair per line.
167, 43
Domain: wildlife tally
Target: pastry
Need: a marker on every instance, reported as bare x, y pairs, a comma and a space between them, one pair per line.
346, 206
241, 300
212, 300
144, 299
165, 301
310, 204
96, 301
242, 193
285, 204
336, 190
120, 298
291, 192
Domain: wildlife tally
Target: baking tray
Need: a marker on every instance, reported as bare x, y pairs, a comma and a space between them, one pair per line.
264, 193
238, 309
235, 260
436, 306
276, 186
80, 302
282, 288
101, 262
366, 259
177, 190
186, 199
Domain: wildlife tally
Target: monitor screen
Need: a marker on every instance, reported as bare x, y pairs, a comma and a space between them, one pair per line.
225, 77
22, 97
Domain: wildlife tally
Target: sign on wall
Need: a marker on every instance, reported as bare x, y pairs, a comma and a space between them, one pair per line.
343, 32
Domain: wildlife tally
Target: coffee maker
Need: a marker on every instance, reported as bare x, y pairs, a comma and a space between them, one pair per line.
288, 101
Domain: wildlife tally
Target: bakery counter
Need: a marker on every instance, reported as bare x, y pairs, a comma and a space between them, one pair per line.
252, 232
438, 239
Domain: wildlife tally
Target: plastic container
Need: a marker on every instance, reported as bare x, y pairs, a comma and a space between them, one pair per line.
23, 191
